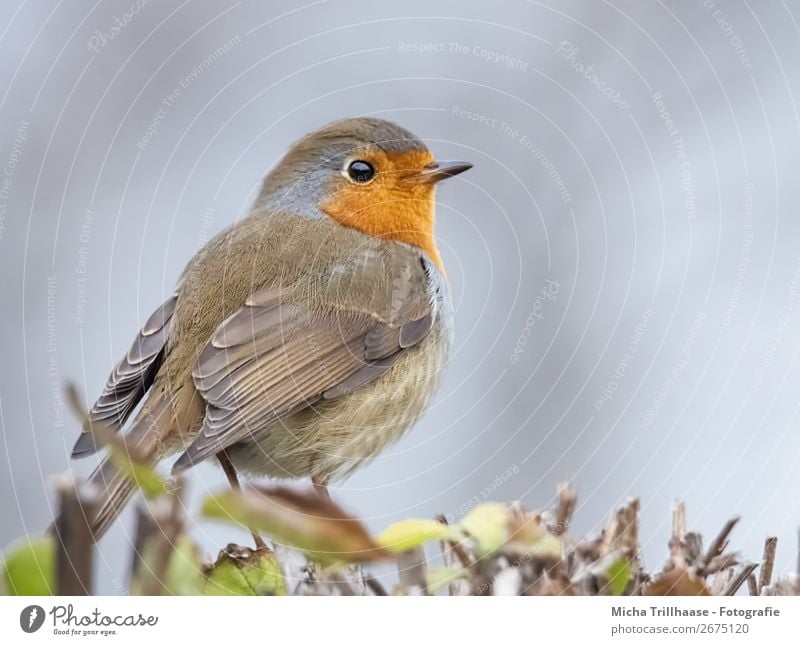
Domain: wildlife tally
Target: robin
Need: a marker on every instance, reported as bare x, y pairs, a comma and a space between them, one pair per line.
303, 339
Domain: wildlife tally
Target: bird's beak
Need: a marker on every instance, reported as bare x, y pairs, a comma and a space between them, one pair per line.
435, 172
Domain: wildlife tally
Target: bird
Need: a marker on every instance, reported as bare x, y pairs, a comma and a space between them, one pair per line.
303, 339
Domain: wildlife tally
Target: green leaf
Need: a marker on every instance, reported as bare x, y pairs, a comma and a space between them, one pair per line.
439, 577
148, 480
125, 457
547, 546
487, 525
409, 534
305, 521
618, 574
244, 572
30, 568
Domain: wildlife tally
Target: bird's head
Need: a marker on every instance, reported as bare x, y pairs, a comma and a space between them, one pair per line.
367, 174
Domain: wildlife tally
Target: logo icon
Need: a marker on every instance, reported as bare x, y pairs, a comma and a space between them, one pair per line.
31, 618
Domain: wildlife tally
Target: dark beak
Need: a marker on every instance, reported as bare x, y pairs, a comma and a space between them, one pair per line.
439, 170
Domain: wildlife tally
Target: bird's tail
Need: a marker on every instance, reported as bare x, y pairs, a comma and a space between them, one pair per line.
146, 443
116, 490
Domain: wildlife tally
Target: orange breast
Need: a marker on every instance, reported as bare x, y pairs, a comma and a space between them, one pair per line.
390, 208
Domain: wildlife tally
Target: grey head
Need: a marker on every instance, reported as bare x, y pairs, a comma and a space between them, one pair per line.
317, 164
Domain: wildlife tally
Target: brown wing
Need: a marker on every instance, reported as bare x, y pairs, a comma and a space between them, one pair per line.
130, 379
272, 358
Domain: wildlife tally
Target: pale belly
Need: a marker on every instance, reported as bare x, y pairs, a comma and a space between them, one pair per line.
333, 438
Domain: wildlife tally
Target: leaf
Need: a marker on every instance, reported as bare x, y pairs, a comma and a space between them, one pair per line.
240, 571
146, 479
678, 582
529, 536
409, 534
304, 520
439, 577
30, 568
487, 525
618, 574
525, 528
548, 546
124, 456
185, 572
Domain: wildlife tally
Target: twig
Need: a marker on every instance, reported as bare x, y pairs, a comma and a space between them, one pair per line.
752, 585
677, 541
375, 586
718, 545
413, 572
694, 546
454, 556
721, 582
720, 562
456, 548
340, 580
146, 528
73, 534
768, 562
622, 533
679, 521
567, 500
739, 578
170, 522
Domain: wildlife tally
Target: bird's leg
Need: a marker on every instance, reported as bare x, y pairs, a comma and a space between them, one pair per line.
233, 480
320, 483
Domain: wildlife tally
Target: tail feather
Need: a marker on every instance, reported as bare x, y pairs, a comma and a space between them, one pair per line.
116, 490
84, 446
149, 439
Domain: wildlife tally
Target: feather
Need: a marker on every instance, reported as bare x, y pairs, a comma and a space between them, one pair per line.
130, 379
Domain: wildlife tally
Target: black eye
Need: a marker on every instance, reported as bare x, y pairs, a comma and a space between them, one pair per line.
360, 171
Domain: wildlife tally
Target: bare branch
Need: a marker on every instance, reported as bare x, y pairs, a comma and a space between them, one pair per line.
739, 579
718, 545
768, 562
567, 501
73, 536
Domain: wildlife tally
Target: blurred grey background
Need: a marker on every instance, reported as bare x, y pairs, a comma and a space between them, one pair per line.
625, 256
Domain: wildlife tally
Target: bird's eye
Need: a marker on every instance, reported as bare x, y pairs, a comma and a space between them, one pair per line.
360, 171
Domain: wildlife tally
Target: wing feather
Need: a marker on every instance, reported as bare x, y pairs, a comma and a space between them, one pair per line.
130, 379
